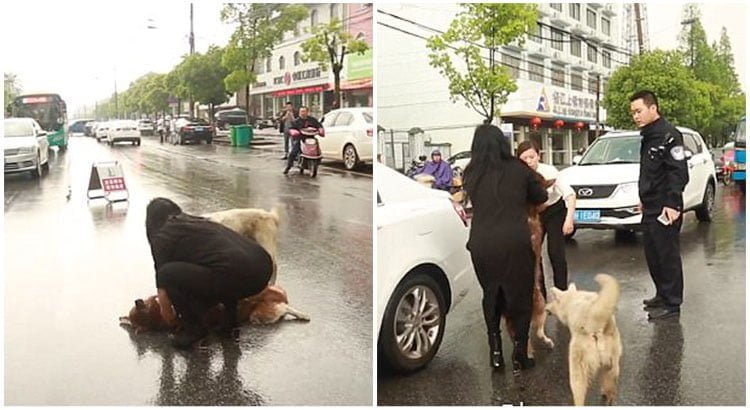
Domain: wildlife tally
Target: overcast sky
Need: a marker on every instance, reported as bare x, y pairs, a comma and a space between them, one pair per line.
78, 48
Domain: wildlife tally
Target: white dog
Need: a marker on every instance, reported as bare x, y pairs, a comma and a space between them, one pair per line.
595, 345
257, 224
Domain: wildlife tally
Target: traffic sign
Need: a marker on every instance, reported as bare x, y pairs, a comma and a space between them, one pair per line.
107, 181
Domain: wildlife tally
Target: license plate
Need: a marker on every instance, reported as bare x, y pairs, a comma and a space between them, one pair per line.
199, 128
588, 215
740, 167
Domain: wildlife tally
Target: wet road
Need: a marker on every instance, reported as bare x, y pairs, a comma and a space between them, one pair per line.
697, 359
72, 268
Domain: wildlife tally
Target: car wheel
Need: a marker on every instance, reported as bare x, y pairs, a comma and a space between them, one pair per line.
138, 142
413, 324
64, 148
37, 172
705, 212
351, 159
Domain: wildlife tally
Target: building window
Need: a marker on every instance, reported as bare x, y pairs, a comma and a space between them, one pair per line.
297, 60
575, 11
607, 59
513, 64
558, 76
537, 37
536, 72
575, 47
593, 82
576, 82
281, 63
334, 11
268, 65
556, 6
591, 18
313, 18
557, 39
605, 26
592, 53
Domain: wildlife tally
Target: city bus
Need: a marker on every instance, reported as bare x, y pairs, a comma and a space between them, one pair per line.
49, 110
738, 176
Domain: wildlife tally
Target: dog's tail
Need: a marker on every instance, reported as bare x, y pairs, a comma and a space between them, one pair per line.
296, 314
605, 304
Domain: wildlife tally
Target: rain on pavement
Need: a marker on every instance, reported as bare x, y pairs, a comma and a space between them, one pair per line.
696, 359
73, 267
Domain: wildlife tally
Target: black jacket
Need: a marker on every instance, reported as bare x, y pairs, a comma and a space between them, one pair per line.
301, 123
663, 168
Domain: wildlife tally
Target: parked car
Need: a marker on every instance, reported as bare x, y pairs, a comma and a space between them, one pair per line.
25, 146
146, 127
101, 130
123, 131
425, 279
90, 129
78, 127
225, 119
606, 181
348, 136
192, 129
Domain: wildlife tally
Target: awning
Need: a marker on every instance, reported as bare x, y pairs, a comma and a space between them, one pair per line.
357, 84
301, 90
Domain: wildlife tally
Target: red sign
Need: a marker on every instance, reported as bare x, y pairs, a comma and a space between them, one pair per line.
287, 78
34, 100
113, 184
297, 91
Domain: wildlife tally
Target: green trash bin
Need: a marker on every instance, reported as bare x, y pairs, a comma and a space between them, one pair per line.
244, 135
233, 135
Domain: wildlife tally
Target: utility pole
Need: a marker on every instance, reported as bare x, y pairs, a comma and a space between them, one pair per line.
639, 27
116, 110
690, 21
192, 51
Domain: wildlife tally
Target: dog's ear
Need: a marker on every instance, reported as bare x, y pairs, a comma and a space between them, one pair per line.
556, 292
572, 287
140, 304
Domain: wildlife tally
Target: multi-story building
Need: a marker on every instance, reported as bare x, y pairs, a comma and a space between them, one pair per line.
285, 77
561, 70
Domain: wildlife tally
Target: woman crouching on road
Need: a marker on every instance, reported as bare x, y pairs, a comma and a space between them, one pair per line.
500, 188
557, 218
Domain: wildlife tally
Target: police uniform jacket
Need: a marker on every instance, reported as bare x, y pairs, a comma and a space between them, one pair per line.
663, 168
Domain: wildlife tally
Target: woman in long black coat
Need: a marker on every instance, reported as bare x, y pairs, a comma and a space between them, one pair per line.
500, 188
200, 263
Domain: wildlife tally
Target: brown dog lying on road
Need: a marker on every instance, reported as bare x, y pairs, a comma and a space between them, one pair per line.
269, 306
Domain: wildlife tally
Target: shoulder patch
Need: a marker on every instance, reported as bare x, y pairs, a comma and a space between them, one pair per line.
677, 152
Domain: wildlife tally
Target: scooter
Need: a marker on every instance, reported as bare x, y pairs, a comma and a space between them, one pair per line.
311, 156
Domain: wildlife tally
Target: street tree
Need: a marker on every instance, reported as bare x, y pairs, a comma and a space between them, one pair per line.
682, 99
329, 46
259, 27
11, 87
202, 75
466, 54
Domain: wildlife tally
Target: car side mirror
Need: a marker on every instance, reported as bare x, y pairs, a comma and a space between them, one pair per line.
577, 159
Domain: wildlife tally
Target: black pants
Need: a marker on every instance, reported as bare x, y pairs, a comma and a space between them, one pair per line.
662, 247
194, 289
553, 219
507, 281
296, 150
286, 142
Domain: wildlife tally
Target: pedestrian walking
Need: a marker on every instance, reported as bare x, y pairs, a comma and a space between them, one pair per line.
558, 216
286, 120
663, 176
500, 188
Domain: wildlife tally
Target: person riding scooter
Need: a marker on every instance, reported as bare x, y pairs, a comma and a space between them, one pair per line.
302, 122
439, 169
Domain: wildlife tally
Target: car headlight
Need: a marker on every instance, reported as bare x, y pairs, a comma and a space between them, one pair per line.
629, 188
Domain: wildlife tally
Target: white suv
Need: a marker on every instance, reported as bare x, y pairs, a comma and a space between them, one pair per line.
605, 180
423, 271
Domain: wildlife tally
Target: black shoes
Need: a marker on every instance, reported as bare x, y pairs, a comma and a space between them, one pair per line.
496, 350
285, 157
663, 312
185, 338
521, 360
656, 301
286, 170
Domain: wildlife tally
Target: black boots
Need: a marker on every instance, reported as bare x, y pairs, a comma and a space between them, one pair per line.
521, 360
656, 301
187, 336
496, 350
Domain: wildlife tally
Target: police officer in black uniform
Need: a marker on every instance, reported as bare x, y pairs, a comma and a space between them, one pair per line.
663, 178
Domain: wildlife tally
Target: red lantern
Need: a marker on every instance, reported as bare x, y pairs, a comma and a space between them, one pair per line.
579, 125
536, 122
559, 124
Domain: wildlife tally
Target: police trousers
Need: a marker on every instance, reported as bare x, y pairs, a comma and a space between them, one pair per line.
662, 248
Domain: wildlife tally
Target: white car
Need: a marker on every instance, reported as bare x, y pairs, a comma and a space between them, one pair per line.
348, 136
424, 269
459, 162
123, 131
25, 146
102, 128
146, 127
605, 180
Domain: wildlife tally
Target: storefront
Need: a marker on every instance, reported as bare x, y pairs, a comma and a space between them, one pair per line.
356, 88
303, 87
